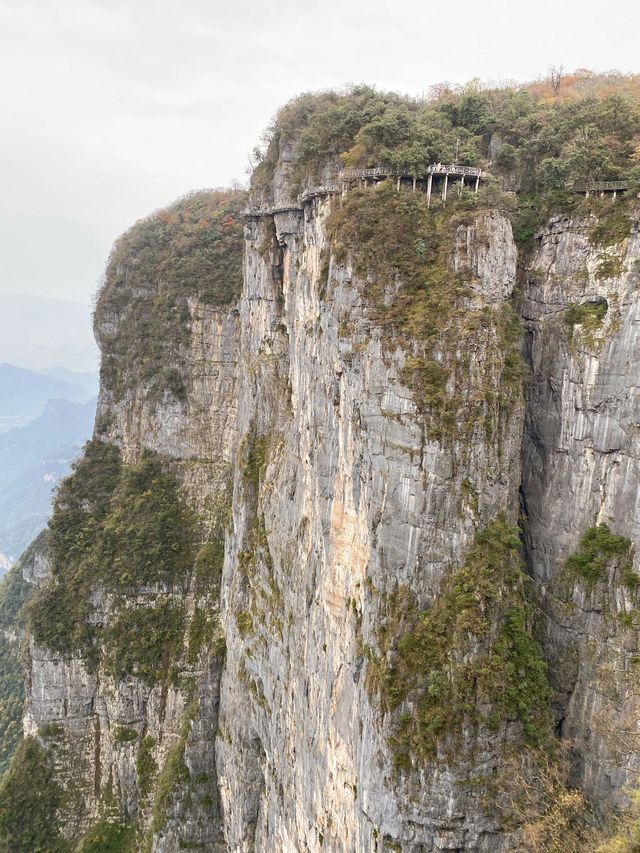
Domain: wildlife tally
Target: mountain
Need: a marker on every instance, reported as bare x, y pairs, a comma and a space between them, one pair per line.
33, 459
24, 393
88, 380
351, 561
42, 333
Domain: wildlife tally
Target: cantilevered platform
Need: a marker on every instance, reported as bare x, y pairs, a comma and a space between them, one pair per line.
439, 175
437, 178
602, 187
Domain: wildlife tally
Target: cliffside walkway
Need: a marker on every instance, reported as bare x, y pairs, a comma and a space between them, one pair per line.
440, 174
437, 177
602, 187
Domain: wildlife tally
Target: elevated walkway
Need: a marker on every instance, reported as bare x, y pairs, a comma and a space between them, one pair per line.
437, 178
602, 187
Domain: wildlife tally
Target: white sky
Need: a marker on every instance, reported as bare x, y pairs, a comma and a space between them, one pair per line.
111, 109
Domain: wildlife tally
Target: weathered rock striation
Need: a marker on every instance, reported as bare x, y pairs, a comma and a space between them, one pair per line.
580, 469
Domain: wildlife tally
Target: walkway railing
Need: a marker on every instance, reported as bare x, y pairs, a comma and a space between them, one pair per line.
602, 186
340, 183
454, 169
433, 169
378, 172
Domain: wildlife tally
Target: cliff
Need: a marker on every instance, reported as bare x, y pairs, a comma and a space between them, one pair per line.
349, 563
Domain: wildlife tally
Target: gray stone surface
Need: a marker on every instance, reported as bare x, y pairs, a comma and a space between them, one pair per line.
581, 467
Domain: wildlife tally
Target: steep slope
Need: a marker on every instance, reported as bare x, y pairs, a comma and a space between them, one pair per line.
355, 497
339, 569
353, 503
126, 651
581, 472
15, 591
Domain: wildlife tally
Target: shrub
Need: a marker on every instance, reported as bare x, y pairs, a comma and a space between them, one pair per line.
29, 799
470, 659
15, 593
551, 142
121, 527
142, 641
208, 565
109, 837
123, 734
612, 228
401, 251
597, 549
589, 315
244, 623
147, 536
192, 249
146, 767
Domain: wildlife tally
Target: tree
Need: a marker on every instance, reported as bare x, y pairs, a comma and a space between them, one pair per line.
555, 78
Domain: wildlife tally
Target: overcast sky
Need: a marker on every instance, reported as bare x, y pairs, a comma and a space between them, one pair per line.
111, 109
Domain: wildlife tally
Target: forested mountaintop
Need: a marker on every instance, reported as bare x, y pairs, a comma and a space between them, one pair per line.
578, 127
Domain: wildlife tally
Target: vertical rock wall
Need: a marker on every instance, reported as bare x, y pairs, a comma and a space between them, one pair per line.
581, 453
340, 498
82, 713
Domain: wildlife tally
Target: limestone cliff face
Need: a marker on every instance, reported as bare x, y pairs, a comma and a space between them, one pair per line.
99, 727
299, 433
580, 469
352, 502
87, 710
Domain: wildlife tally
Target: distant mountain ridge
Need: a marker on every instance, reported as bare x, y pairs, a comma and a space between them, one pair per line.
33, 459
24, 394
89, 380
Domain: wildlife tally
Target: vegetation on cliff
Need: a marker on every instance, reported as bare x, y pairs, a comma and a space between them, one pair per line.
120, 528
548, 134
29, 798
598, 549
14, 594
402, 250
191, 250
468, 660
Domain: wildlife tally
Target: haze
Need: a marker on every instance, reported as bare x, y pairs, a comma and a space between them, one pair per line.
112, 109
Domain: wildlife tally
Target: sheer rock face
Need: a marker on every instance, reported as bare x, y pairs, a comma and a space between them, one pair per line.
340, 494
581, 467
85, 713
353, 500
